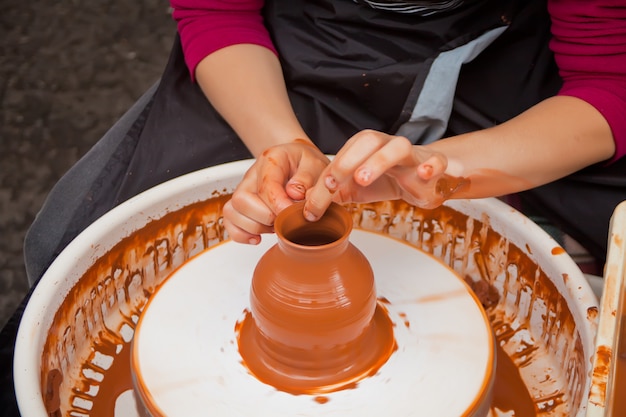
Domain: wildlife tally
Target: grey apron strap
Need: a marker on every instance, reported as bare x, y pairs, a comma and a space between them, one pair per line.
429, 120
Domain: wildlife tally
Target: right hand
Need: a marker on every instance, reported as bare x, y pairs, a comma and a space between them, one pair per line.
375, 166
280, 176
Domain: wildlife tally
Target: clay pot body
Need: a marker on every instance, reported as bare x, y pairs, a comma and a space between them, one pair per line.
313, 298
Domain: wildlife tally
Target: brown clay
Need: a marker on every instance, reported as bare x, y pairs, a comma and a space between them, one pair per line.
509, 392
316, 327
114, 384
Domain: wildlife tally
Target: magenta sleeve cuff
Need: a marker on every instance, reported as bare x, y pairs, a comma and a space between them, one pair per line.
610, 100
589, 44
207, 26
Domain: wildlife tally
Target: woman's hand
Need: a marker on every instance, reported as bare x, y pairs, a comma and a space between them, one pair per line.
281, 175
551, 140
374, 166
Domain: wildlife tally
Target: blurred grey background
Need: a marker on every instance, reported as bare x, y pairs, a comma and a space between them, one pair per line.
68, 71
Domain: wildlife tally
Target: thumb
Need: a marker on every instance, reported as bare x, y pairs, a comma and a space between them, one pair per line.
304, 178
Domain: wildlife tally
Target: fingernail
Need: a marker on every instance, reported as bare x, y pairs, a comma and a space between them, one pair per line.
253, 241
299, 187
428, 171
331, 182
310, 216
364, 175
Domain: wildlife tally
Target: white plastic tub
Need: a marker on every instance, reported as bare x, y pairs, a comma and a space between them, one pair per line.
541, 308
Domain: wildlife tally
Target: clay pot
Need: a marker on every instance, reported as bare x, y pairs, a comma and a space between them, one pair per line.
313, 298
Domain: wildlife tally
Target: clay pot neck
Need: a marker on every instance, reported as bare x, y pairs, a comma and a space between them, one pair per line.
327, 237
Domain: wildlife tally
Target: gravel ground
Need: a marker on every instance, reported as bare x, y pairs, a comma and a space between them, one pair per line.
68, 70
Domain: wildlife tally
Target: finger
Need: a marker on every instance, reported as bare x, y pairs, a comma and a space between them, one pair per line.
318, 198
245, 222
242, 229
397, 151
411, 188
384, 188
270, 185
415, 190
352, 155
239, 235
248, 204
305, 177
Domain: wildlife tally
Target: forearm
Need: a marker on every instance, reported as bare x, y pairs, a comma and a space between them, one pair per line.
245, 84
553, 139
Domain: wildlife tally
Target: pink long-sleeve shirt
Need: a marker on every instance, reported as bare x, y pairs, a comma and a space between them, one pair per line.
589, 45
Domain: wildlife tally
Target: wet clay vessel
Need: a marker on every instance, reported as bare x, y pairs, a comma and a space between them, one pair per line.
313, 305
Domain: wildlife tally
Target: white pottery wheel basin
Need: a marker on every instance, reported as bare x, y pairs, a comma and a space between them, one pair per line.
185, 352
80, 320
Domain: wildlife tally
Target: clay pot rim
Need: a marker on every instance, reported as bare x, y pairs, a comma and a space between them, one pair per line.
335, 210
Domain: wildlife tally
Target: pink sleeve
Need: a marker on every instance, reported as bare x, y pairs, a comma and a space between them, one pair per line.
208, 25
589, 44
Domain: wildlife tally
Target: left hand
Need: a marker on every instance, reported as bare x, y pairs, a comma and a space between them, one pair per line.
278, 177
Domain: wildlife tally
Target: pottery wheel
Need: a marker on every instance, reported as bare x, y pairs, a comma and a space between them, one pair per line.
186, 360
